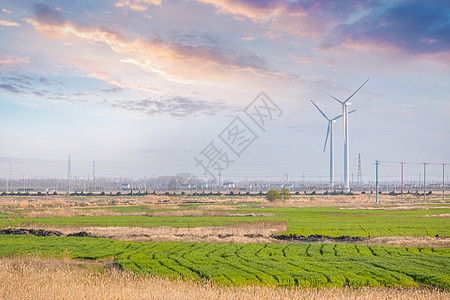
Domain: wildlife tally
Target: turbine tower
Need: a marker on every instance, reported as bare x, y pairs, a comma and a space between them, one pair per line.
345, 104
329, 133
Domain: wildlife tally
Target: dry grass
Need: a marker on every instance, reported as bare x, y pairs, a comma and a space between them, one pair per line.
400, 208
158, 202
407, 241
33, 278
237, 234
74, 212
221, 234
437, 216
63, 206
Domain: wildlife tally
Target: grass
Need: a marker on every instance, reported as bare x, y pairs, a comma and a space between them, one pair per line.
34, 278
303, 265
331, 221
334, 221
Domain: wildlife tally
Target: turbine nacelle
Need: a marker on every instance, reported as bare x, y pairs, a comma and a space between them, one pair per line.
346, 100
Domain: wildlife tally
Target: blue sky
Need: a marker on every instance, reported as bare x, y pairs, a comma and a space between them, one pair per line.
145, 85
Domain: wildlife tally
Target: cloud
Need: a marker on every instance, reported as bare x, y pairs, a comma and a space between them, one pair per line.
137, 5
413, 27
14, 60
175, 106
8, 23
11, 88
174, 61
301, 19
6, 11
118, 84
36, 86
171, 105
309, 60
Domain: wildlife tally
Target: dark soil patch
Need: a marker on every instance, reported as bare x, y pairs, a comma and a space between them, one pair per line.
42, 232
319, 238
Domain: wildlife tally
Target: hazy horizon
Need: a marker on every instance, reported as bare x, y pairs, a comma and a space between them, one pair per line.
144, 86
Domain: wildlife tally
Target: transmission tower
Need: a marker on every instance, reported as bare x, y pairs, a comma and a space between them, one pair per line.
359, 177
69, 174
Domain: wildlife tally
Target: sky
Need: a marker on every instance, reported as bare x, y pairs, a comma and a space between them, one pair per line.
163, 87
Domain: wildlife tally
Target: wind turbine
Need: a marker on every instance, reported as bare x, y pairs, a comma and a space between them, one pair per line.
345, 104
330, 133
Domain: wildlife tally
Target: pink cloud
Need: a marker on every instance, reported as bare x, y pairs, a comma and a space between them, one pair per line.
137, 5
14, 60
172, 61
301, 19
8, 23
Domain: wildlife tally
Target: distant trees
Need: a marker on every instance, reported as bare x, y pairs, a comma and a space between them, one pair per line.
285, 194
273, 195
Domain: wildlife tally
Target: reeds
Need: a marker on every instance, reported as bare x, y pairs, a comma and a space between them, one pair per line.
35, 278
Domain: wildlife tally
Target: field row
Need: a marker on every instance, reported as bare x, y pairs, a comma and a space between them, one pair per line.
330, 221
261, 264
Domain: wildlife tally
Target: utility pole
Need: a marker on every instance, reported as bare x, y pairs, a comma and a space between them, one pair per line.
402, 163
376, 180
424, 181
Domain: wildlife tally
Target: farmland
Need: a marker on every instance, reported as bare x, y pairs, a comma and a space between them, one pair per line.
304, 265
230, 241
48, 278
384, 221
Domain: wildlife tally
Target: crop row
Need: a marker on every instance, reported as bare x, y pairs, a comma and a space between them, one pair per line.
331, 221
264, 264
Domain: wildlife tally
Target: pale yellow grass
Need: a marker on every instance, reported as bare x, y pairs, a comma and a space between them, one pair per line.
437, 216
75, 212
33, 278
408, 241
151, 201
220, 234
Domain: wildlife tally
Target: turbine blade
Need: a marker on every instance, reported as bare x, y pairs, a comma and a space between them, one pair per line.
356, 91
335, 118
333, 97
326, 138
323, 114
352, 111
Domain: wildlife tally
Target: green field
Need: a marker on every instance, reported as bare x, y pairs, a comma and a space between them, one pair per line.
261, 264
330, 221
